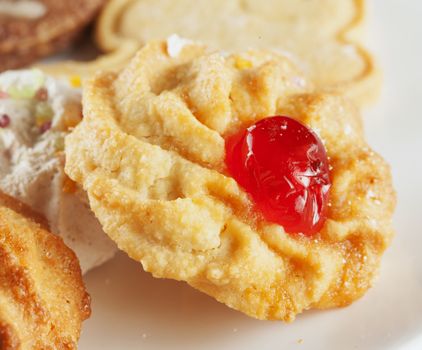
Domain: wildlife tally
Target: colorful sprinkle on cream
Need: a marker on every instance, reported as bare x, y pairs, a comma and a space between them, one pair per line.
4, 121
45, 127
43, 113
42, 94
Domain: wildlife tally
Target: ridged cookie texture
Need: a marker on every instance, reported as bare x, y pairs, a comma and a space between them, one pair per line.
323, 36
150, 154
42, 296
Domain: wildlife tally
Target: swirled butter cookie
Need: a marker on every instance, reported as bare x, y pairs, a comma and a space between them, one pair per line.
231, 173
323, 36
42, 296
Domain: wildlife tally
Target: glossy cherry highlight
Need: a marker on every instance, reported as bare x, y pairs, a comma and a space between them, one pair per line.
283, 165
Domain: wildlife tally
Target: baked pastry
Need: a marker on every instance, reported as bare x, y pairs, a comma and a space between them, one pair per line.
43, 299
36, 113
156, 153
31, 29
323, 36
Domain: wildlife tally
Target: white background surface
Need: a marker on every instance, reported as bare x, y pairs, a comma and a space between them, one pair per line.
131, 310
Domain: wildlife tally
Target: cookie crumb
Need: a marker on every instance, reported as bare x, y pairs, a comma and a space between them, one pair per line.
75, 81
175, 45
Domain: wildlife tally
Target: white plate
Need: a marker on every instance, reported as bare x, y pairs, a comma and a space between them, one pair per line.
131, 310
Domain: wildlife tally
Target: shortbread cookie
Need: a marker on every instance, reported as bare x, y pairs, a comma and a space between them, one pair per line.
153, 153
323, 36
30, 29
42, 296
36, 113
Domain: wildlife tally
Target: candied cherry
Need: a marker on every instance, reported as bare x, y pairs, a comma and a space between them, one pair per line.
284, 167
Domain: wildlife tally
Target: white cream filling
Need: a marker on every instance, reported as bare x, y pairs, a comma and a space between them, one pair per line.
30, 9
31, 166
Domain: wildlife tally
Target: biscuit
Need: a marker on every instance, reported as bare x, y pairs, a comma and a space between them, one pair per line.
42, 296
324, 37
31, 29
150, 154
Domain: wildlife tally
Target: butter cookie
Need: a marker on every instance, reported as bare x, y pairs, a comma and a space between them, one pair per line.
153, 153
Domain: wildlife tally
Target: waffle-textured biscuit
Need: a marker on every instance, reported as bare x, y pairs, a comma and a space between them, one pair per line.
42, 296
324, 36
30, 29
150, 153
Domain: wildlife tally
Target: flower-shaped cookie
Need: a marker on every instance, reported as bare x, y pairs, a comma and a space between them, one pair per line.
150, 152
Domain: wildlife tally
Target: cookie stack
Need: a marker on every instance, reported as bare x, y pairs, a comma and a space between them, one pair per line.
230, 155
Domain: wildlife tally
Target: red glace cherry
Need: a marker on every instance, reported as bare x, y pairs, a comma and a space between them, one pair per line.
283, 165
